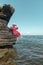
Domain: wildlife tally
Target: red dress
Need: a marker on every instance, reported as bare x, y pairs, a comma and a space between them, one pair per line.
14, 31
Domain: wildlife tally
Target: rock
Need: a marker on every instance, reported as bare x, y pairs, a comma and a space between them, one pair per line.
6, 12
7, 39
3, 23
6, 36
7, 56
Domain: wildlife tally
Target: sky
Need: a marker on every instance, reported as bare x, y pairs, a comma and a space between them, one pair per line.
28, 16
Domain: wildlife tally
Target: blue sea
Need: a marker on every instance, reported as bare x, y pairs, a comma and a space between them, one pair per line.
29, 50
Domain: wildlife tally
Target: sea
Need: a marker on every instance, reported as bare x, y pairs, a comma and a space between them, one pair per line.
29, 50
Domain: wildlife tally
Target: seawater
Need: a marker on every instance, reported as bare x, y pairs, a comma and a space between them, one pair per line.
29, 50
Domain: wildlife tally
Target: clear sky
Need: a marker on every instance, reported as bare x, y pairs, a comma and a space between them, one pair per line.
28, 15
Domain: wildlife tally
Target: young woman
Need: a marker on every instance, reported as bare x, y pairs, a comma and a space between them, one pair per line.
15, 31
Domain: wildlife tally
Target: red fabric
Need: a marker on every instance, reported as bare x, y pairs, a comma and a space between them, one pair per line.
14, 31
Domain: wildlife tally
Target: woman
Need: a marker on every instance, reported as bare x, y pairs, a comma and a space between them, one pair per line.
14, 29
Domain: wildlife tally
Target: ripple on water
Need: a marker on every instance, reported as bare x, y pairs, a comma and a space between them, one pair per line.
30, 50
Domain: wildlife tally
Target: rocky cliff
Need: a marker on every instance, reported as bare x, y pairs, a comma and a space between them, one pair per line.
7, 39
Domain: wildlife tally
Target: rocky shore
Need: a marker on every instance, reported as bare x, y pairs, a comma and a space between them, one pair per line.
7, 39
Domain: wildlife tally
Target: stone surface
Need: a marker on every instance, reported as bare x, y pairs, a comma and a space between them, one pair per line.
7, 56
6, 36
7, 39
